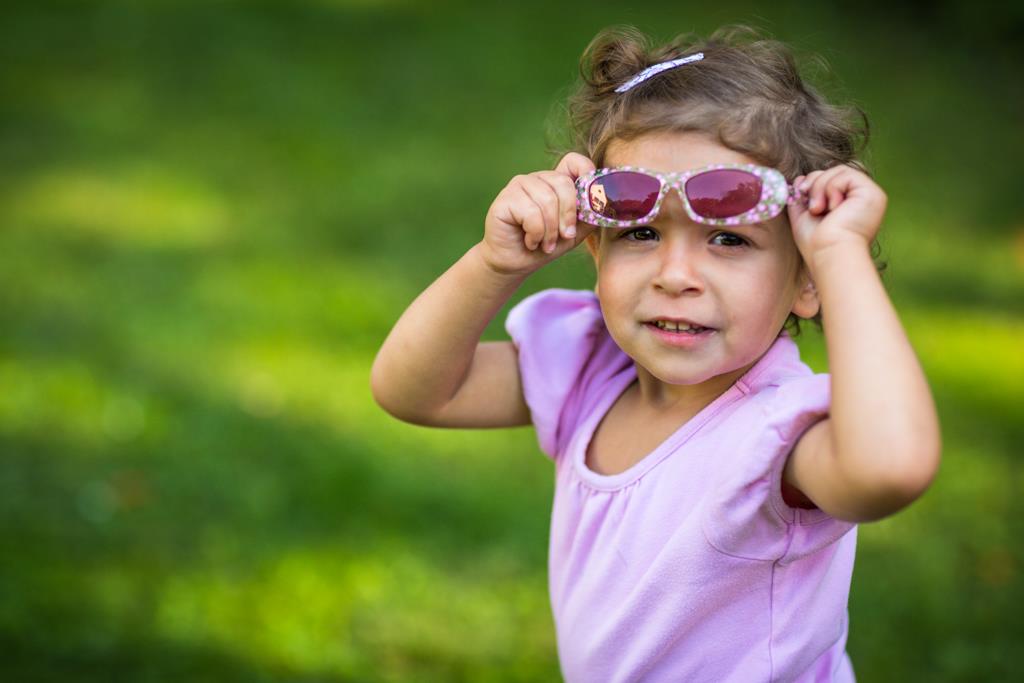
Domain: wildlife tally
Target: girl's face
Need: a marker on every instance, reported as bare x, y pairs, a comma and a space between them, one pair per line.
741, 281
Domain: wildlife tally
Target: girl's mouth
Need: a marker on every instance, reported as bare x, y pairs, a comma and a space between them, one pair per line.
687, 336
669, 326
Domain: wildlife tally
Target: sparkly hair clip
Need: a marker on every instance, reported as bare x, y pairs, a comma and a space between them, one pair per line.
657, 69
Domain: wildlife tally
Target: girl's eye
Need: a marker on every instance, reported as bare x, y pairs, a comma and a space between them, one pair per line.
642, 229
729, 240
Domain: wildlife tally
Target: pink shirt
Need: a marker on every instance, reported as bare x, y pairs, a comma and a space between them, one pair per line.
688, 566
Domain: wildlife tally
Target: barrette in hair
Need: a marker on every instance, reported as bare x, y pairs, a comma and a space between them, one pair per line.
657, 69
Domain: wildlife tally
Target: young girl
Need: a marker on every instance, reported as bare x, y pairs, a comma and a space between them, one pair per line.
708, 483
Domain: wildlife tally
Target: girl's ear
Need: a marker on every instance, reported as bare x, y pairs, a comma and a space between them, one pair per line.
807, 303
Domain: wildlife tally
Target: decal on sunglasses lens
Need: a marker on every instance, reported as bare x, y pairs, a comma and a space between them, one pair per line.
624, 195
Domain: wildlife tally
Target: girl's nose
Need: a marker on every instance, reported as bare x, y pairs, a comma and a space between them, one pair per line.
679, 268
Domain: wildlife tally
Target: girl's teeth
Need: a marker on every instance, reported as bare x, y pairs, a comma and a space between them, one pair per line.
677, 328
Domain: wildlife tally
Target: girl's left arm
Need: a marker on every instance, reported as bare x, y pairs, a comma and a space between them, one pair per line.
879, 449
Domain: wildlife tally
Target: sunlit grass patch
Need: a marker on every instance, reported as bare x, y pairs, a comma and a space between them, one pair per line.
953, 264
339, 302
141, 205
972, 358
68, 400
371, 612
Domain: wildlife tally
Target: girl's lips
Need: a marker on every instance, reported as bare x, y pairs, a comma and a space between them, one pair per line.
683, 340
681, 321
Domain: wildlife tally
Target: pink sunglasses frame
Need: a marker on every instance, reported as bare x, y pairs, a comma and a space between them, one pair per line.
776, 193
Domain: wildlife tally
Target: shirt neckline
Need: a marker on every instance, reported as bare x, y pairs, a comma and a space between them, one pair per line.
619, 384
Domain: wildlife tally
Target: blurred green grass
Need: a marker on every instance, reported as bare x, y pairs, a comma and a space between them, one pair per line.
212, 213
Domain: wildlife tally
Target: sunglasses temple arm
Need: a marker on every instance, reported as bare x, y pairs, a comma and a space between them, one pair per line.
796, 196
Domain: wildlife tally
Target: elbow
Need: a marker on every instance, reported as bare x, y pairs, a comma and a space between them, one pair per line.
376, 384
915, 471
919, 474
390, 407
390, 402
898, 487
381, 395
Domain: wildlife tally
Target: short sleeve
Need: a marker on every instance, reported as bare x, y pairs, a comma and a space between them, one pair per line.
747, 516
555, 332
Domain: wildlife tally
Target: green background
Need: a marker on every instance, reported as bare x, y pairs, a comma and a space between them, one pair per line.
211, 214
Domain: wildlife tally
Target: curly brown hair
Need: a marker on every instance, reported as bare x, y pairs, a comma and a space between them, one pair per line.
747, 93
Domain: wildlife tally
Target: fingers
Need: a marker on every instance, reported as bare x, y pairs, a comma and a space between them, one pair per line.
825, 189
553, 211
565, 187
544, 203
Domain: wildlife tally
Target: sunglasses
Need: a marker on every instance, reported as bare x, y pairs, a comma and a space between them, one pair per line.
720, 194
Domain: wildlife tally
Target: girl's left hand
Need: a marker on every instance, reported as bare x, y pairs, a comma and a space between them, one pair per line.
845, 206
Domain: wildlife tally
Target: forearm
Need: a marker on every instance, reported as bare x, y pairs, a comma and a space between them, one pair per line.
427, 354
884, 421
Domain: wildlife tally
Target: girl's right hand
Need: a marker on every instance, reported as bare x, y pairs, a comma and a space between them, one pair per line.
533, 220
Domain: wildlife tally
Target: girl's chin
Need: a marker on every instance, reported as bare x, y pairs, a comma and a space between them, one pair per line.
680, 378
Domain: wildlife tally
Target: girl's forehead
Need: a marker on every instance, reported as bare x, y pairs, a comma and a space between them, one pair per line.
668, 151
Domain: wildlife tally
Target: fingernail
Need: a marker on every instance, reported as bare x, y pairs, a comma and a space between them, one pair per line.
549, 248
804, 186
570, 231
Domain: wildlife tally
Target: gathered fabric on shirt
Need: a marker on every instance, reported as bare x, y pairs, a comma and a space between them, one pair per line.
689, 565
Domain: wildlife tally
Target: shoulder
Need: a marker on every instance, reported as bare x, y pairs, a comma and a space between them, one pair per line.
564, 352
748, 514
558, 330
791, 407
795, 403
796, 408
554, 307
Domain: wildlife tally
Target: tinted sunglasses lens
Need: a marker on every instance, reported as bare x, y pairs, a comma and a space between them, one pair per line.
723, 193
624, 195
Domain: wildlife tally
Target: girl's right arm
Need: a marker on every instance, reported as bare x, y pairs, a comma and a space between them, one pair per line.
432, 369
